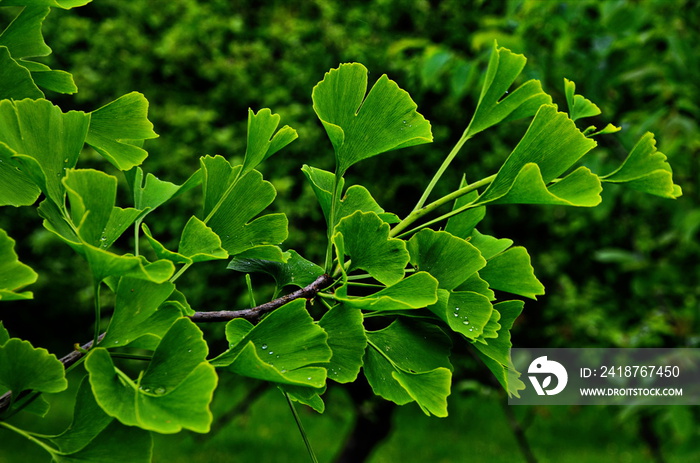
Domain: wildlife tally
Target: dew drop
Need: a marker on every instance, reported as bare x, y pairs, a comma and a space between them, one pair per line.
263, 347
277, 356
160, 390
471, 329
283, 370
309, 378
456, 314
189, 350
116, 342
465, 322
456, 309
270, 352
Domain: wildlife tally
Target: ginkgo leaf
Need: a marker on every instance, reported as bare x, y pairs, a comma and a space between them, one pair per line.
356, 198
579, 106
152, 192
297, 271
493, 108
136, 304
512, 272
173, 393
116, 126
65, 4
284, 347
496, 353
50, 79
43, 140
414, 292
360, 124
408, 362
14, 275
24, 367
449, 259
231, 203
551, 145
647, 170
23, 36
347, 340
366, 241
462, 224
263, 138
198, 243
16, 81
465, 312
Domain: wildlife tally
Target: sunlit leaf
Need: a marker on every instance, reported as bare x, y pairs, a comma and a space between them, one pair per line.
578, 105
465, 312
153, 192
550, 147
43, 140
647, 170
461, 225
49, 79
366, 241
173, 393
115, 127
493, 108
360, 124
14, 275
198, 243
65, 4
263, 138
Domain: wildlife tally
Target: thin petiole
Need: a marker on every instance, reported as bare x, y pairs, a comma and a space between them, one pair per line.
301, 428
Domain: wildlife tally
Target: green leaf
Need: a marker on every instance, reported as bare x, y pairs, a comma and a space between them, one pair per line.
504, 67
449, 259
414, 292
24, 367
367, 243
14, 275
104, 264
115, 127
496, 354
173, 393
232, 201
297, 271
465, 312
198, 243
99, 222
462, 224
357, 197
49, 79
263, 142
347, 340
4, 334
550, 147
153, 192
512, 272
360, 124
16, 81
408, 362
43, 140
489, 246
647, 170
23, 36
579, 106
95, 437
65, 4
283, 348
137, 312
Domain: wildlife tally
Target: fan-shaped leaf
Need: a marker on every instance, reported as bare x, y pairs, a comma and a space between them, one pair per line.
647, 170
24, 367
263, 141
14, 275
360, 124
347, 340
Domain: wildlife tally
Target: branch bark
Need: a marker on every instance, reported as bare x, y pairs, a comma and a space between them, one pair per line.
253, 315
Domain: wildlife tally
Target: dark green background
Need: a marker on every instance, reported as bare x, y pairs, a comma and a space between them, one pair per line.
624, 274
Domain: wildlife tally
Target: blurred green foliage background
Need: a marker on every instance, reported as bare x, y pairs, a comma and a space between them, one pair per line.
624, 274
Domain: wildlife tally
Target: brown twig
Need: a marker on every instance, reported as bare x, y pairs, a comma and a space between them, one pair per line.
253, 315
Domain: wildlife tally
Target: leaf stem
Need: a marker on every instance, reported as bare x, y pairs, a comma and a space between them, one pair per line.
445, 164
96, 336
301, 427
331, 223
423, 211
29, 436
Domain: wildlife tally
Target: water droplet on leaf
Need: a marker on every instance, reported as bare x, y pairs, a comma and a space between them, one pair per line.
263, 347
